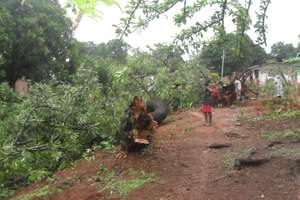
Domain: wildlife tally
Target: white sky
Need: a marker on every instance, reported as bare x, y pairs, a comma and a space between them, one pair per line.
283, 25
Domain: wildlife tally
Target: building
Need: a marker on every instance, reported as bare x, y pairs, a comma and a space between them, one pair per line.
268, 71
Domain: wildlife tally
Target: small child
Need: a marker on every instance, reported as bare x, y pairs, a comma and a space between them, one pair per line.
207, 107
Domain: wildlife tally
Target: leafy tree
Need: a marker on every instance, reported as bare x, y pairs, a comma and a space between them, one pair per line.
249, 54
102, 58
162, 72
282, 51
51, 127
145, 64
140, 13
113, 51
35, 40
169, 56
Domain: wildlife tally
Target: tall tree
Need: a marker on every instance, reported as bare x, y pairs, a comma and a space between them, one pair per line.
35, 39
113, 51
281, 50
169, 56
249, 54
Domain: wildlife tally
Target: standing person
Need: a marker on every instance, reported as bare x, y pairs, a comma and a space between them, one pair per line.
279, 87
238, 89
207, 107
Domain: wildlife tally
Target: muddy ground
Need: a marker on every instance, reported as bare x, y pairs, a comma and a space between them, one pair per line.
187, 169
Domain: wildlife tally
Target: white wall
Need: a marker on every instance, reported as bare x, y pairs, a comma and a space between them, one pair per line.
263, 77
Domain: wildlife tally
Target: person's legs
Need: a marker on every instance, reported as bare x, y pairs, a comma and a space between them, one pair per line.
238, 94
209, 118
214, 99
206, 118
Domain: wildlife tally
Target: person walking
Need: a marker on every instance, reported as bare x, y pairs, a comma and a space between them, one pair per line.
279, 87
238, 89
207, 107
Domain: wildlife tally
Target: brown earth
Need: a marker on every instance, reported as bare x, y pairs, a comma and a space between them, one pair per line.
187, 169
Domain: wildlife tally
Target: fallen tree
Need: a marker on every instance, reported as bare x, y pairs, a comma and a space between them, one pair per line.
139, 122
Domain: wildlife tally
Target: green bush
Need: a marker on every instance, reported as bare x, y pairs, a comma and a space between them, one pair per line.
268, 89
184, 85
50, 128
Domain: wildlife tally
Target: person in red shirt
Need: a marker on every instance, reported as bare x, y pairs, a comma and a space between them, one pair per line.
207, 106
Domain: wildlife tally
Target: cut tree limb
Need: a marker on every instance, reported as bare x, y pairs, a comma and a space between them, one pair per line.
239, 163
219, 146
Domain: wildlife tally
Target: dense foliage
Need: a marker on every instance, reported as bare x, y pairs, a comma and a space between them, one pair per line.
282, 51
52, 127
236, 58
35, 40
58, 121
164, 73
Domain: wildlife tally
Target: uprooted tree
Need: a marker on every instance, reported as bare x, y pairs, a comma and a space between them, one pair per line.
139, 121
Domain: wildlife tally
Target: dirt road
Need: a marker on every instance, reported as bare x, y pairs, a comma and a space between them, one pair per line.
187, 169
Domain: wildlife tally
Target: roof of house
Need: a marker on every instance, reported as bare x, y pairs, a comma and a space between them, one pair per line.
275, 67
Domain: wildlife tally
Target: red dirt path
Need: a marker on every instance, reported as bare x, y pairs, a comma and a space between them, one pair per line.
187, 169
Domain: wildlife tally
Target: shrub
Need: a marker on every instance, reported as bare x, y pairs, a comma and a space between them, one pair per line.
50, 128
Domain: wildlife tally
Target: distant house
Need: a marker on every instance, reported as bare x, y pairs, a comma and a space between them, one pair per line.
264, 72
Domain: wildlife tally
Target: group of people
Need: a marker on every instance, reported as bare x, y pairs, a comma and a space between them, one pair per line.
214, 96
225, 95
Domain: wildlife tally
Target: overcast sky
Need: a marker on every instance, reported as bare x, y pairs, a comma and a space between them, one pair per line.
283, 25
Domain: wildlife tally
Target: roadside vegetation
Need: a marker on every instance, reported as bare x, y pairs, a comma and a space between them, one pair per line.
108, 180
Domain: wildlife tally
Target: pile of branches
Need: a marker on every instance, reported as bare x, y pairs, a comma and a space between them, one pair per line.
50, 128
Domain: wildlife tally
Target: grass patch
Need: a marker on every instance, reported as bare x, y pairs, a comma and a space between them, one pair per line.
112, 182
241, 117
169, 119
290, 114
188, 130
285, 134
41, 192
229, 158
291, 153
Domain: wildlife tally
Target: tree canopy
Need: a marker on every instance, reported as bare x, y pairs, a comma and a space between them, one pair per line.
35, 40
248, 54
140, 13
281, 50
